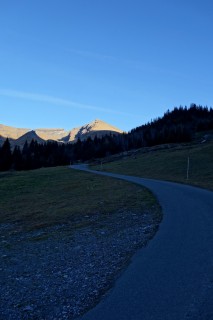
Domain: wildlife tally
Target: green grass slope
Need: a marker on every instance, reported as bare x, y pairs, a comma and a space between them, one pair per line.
170, 164
51, 196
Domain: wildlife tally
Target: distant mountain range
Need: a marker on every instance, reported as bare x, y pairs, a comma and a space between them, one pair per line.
18, 136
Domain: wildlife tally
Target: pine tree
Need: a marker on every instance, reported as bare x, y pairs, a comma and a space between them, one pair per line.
5, 156
17, 159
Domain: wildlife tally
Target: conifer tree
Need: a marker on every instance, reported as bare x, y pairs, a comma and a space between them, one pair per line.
17, 159
5, 156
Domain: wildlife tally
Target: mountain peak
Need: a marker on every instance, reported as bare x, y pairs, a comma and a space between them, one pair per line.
98, 124
28, 136
97, 128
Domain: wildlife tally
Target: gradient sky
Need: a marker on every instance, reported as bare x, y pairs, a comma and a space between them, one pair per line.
64, 63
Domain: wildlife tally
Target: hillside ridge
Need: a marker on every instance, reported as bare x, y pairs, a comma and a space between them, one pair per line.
95, 128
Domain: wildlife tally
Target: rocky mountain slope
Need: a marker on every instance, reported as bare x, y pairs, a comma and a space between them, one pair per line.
95, 128
11, 132
18, 136
29, 136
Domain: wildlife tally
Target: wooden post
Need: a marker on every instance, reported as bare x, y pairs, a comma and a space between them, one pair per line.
187, 170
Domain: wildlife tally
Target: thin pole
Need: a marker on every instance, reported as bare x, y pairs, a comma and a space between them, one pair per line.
187, 171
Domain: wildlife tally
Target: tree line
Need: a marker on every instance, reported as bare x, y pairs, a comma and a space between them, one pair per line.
179, 125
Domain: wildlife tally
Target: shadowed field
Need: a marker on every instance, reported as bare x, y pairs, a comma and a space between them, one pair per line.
170, 164
50, 196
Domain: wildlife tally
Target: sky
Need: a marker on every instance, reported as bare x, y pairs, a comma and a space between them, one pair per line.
64, 63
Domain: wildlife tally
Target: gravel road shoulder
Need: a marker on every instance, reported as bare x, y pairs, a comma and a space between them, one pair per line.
60, 273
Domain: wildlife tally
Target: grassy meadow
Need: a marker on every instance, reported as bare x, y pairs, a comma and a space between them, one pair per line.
169, 164
50, 196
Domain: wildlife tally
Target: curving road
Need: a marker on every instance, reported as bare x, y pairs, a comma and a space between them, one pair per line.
172, 278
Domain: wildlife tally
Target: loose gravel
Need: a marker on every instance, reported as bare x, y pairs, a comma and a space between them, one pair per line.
62, 271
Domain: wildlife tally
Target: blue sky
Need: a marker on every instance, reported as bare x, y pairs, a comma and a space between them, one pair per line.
64, 63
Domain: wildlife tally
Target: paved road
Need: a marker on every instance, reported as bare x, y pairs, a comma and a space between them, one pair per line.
172, 278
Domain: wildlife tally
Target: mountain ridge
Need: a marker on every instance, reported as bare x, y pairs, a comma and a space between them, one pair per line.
18, 136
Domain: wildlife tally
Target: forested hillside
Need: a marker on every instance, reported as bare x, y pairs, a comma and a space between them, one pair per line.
177, 126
